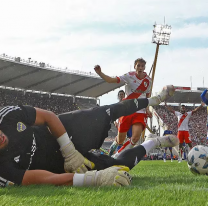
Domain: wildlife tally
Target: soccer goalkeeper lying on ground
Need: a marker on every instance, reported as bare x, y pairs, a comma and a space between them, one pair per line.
35, 147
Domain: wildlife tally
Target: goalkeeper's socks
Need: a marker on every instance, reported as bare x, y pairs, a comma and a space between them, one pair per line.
149, 145
113, 148
131, 157
127, 145
153, 101
162, 96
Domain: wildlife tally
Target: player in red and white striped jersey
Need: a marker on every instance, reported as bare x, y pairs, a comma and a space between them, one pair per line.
138, 85
183, 129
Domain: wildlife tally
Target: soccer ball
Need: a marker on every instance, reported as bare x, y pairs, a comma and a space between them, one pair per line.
198, 160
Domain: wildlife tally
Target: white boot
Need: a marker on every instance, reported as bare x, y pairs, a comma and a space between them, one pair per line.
162, 96
165, 141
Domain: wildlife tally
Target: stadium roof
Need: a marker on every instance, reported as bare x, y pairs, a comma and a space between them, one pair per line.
186, 96
29, 75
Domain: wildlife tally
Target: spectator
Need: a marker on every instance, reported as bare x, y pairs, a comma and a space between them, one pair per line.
55, 103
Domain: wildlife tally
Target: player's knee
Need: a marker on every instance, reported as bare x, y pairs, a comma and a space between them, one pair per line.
120, 138
135, 139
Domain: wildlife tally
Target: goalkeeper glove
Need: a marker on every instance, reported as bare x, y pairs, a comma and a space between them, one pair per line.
116, 175
74, 161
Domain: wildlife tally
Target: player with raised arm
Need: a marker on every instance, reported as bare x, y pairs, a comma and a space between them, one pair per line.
138, 85
183, 129
35, 147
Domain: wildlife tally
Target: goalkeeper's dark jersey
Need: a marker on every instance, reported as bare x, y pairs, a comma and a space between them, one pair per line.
29, 147
34, 147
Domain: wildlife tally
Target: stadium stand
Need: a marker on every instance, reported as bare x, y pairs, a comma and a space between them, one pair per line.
197, 123
56, 103
84, 103
31, 75
113, 131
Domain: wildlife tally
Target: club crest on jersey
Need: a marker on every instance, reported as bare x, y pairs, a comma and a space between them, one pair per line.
145, 84
21, 127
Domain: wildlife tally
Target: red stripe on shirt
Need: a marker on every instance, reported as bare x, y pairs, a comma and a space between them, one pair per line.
142, 87
181, 119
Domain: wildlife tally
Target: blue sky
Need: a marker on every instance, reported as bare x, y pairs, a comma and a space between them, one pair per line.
81, 33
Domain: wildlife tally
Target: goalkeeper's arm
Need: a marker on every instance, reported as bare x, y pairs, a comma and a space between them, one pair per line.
116, 176
74, 161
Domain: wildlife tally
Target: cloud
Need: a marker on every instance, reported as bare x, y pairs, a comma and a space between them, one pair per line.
78, 34
176, 67
43, 14
190, 31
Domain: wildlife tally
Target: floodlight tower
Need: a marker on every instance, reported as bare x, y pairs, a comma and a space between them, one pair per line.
161, 36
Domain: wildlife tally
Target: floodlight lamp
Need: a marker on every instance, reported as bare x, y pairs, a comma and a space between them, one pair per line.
161, 34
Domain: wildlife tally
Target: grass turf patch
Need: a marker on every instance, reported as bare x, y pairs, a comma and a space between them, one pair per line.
154, 183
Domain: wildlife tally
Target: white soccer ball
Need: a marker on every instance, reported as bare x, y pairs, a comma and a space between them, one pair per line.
198, 160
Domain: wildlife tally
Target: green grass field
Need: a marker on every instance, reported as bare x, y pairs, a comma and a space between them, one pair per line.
154, 183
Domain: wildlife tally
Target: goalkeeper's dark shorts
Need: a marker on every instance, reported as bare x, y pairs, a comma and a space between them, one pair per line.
87, 128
